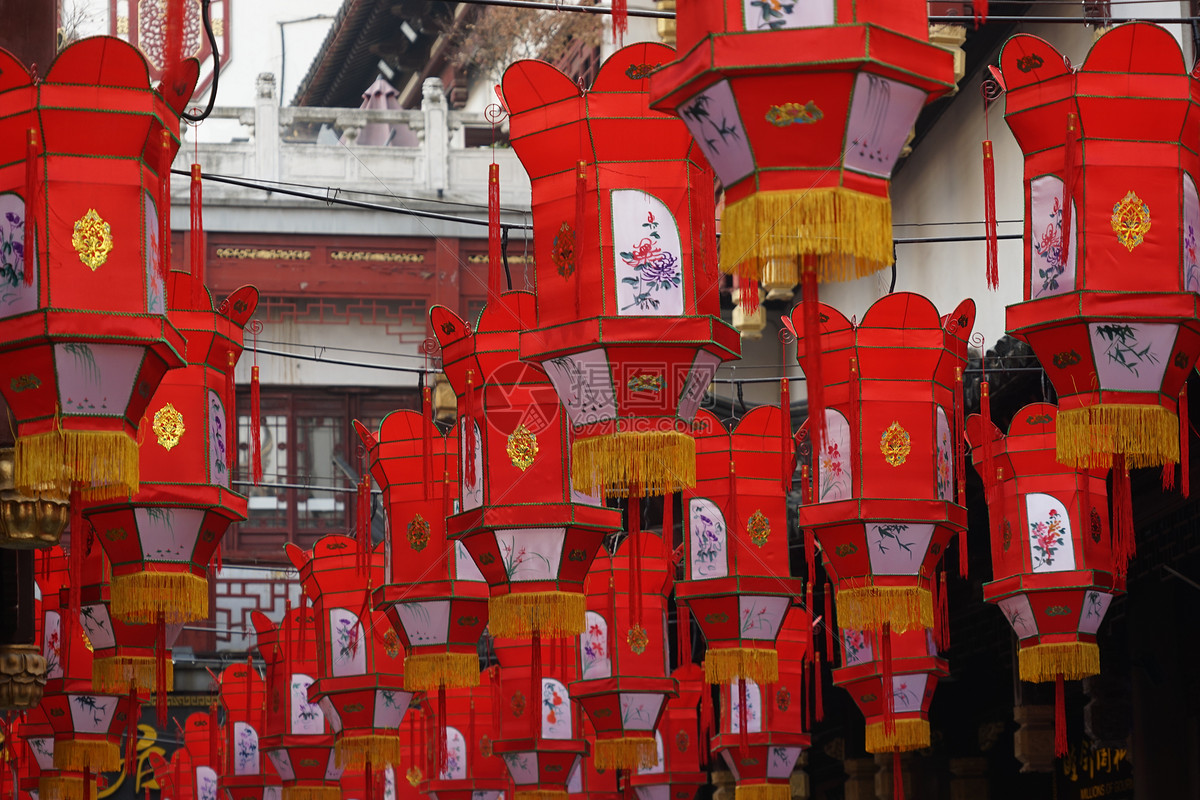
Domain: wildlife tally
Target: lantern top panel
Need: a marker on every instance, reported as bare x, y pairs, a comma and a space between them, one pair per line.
1029, 448
213, 332
294, 636
336, 571
795, 639
242, 692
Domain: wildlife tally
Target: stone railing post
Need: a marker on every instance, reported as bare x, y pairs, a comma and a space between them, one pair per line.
266, 128
437, 134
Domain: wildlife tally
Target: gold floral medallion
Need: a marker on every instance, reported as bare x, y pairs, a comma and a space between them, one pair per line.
418, 533
1131, 220
759, 528
895, 444
92, 239
168, 426
637, 639
522, 447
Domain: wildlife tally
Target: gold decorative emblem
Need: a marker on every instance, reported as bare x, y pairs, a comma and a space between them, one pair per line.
391, 644
637, 639
414, 776
522, 447
794, 114
92, 239
418, 533
759, 528
168, 426
87, 642
1131, 220
895, 445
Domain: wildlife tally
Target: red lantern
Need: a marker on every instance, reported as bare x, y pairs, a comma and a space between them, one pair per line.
361, 683
738, 587
195, 765
469, 771
628, 322
435, 596
623, 653
763, 756
295, 738
532, 537
45, 780
246, 774
882, 501
1110, 310
84, 337
891, 677
679, 740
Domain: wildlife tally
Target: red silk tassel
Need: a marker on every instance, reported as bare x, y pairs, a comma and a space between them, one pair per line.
131, 731
810, 554
897, 776
635, 555
830, 653
1060, 717
256, 465
29, 256
370, 782
413, 752
74, 602
981, 11
580, 225
855, 407
468, 426
230, 415
785, 434
806, 701
734, 523
364, 535
496, 282
1185, 434
990, 219
535, 687
1068, 186
944, 612
812, 361
88, 791
889, 696
441, 723
960, 432
447, 497
743, 716
747, 293
196, 234
164, 204
1123, 545
620, 21
427, 441
612, 614
804, 494
818, 688
706, 710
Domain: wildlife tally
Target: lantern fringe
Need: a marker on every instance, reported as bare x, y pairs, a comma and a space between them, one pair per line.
763, 791
728, 664
1148, 436
425, 671
355, 752
104, 463
850, 232
537, 794
909, 734
553, 614
872, 607
312, 792
76, 755
63, 787
114, 674
659, 462
1073, 660
628, 752
142, 596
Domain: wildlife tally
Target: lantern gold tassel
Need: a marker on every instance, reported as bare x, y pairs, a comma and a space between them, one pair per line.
553, 614
872, 607
426, 671
333, 792
659, 462
627, 752
540, 794
762, 791
142, 596
850, 232
355, 752
1148, 436
103, 463
115, 674
63, 787
909, 734
728, 664
98, 755
1045, 662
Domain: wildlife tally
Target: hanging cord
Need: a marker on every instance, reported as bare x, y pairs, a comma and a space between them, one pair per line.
206, 19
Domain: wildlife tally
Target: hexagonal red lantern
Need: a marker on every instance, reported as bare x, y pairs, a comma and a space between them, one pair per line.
531, 535
762, 726
628, 322
295, 736
679, 739
361, 667
160, 540
247, 774
45, 781
738, 587
84, 337
1110, 308
622, 686
435, 597
882, 501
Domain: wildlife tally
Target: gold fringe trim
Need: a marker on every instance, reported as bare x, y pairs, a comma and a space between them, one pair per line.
910, 734
1040, 663
353, 752
848, 231
113, 675
427, 671
553, 614
76, 755
142, 596
763, 791
63, 787
659, 462
540, 794
103, 463
1148, 436
728, 664
625, 753
866, 608
333, 792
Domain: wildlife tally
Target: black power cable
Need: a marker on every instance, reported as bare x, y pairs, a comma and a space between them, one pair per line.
206, 18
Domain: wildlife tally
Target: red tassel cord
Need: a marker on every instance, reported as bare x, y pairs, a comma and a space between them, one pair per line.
230, 414
855, 408
164, 204
196, 234
747, 289
683, 631
830, 653
1060, 717
74, 602
788, 467
897, 776
818, 687
580, 227
812, 361
889, 696
160, 671
810, 555
1123, 545
441, 722
427, 441
706, 711
743, 716
496, 281
620, 21
805, 699
414, 753
990, 219
256, 461
472, 741
960, 434
131, 730
369, 781
468, 427
1068, 186
944, 616
535, 688
29, 256
635, 555
612, 614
